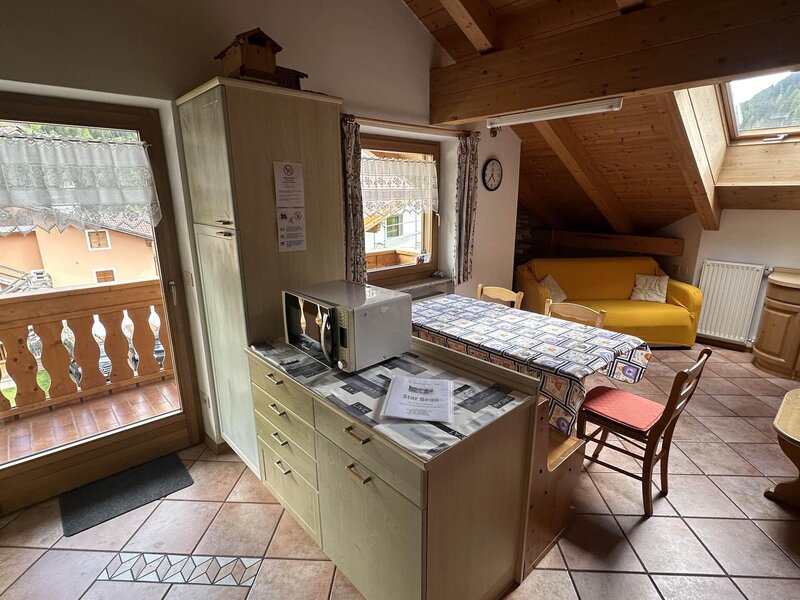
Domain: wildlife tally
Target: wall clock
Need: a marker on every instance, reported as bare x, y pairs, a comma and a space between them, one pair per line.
492, 174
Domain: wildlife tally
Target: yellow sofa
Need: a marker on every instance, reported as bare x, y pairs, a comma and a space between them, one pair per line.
606, 284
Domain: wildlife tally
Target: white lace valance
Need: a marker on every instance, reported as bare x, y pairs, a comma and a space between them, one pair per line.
58, 183
390, 186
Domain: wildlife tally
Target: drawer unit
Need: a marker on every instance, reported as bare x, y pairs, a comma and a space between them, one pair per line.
286, 448
280, 387
369, 527
378, 456
296, 494
280, 415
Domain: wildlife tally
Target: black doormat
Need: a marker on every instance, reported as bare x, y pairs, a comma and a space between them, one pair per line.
107, 498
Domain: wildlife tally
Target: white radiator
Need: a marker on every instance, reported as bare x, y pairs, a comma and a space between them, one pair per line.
730, 292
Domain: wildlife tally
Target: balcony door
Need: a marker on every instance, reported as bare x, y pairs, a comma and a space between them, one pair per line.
96, 366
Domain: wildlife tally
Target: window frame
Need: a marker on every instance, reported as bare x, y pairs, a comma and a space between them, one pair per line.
404, 273
89, 239
754, 135
102, 270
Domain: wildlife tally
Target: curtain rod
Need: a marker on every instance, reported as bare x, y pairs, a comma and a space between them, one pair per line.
53, 138
429, 129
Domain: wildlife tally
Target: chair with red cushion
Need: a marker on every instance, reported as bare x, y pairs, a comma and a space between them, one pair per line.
645, 424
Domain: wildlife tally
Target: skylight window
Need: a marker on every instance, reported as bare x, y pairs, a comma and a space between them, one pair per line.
767, 106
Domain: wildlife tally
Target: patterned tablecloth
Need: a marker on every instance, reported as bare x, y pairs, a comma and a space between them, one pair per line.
561, 353
477, 402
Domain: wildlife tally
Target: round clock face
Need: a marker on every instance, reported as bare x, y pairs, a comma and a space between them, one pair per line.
492, 174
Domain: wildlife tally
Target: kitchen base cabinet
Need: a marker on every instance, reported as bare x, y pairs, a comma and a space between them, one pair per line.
777, 347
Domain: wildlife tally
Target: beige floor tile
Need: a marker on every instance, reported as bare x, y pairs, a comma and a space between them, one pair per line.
678, 587
784, 533
289, 579
717, 459
545, 585
667, 545
595, 542
111, 535
769, 589
734, 429
759, 386
226, 456
174, 527
14, 562
697, 496
213, 481
240, 529
689, 429
702, 405
745, 406
291, 541
743, 549
586, 498
36, 527
249, 488
552, 560
748, 494
207, 592
601, 586
343, 589
193, 452
59, 574
127, 590
623, 495
768, 458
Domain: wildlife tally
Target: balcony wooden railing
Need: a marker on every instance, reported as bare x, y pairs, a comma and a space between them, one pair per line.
48, 312
391, 258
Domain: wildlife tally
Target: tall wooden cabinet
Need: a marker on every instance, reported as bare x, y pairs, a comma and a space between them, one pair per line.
233, 132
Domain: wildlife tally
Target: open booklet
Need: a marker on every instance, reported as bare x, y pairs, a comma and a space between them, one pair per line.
419, 399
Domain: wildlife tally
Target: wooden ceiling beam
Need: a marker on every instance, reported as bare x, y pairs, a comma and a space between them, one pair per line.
754, 196
634, 244
678, 44
562, 139
626, 6
476, 19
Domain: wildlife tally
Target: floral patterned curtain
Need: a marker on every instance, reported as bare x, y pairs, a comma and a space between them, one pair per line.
466, 204
50, 182
355, 254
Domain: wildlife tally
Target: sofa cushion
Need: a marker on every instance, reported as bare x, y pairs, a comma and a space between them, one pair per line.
595, 278
650, 288
623, 407
556, 293
651, 321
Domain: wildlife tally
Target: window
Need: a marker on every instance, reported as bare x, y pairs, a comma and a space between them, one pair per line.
98, 240
105, 275
399, 186
765, 107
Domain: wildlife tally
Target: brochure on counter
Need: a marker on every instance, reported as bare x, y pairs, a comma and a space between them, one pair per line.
419, 399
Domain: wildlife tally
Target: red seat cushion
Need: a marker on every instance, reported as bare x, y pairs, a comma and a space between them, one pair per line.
623, 407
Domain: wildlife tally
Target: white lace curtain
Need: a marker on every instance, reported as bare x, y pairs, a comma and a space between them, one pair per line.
58, 183
390, 186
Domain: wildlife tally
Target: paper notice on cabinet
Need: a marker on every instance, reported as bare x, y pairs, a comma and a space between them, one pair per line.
291, 229
289, 186
419, 399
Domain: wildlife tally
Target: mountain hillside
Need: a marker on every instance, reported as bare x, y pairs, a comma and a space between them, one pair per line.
775, 106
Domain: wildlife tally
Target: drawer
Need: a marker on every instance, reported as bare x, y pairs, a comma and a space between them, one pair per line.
294, 493
277, 413
278, 385
287, 449
378, 456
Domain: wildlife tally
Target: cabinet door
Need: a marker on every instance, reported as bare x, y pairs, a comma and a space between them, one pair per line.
218, 260
205, 145
778, 339
370, 530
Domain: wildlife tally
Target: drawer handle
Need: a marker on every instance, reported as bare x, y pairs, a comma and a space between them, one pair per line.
278, 439
272, 378
279, 464
224, 221
276, 410
349, 431
351, 468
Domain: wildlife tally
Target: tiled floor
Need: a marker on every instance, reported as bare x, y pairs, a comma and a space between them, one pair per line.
40, 432
714, 537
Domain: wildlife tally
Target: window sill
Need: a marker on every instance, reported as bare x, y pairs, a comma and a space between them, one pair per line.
423, 287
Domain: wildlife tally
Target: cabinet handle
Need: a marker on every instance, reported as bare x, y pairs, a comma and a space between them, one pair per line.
351, 468
224, 221
279, 464
276, 410
349, 431
274, 380
278, 439
226, 234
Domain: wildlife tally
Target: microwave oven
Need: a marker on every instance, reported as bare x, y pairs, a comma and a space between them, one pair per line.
347, 325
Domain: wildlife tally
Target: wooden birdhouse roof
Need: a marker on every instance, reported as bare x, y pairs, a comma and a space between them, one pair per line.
254, 37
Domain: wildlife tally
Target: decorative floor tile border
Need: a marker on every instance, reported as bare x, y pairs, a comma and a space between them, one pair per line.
181, 568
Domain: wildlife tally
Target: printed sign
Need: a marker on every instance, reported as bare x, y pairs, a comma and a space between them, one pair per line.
291, 229
289, 188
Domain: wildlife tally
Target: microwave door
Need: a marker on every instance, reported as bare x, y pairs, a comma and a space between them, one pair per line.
309, 328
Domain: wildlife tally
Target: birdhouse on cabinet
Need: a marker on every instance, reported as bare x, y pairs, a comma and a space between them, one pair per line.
251, 53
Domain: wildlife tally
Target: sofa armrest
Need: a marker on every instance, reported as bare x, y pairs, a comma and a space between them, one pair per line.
535, 293
687, 296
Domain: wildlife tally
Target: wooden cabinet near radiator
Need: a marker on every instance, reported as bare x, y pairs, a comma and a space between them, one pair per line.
777, 347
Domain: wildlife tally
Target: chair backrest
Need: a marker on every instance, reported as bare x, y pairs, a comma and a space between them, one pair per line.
502, 294
683, 388
574, 312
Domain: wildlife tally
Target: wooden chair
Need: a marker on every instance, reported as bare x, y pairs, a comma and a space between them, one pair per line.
574, 312
641, 422
502, 294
